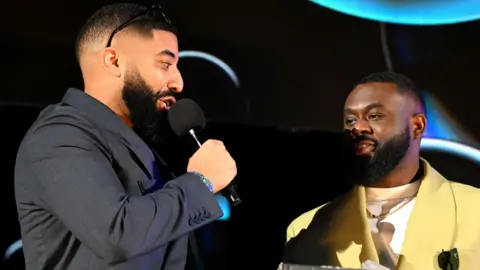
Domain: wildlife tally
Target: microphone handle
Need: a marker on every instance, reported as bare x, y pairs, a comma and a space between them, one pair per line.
232, 195
231, 190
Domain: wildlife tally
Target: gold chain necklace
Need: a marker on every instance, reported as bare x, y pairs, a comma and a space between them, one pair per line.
384, 215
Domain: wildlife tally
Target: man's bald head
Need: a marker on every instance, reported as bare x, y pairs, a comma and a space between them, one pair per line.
99, 27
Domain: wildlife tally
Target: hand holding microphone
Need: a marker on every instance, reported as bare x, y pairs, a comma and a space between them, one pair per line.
215, 163
212, 159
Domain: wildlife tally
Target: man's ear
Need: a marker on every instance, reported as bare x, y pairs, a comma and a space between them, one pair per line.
110, 62
419, 124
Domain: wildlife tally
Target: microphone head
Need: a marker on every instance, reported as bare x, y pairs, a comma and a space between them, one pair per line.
184, 115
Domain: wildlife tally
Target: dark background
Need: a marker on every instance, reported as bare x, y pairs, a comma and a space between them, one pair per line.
296, 62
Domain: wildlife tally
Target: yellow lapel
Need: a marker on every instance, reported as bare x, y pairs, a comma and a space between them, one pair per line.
432, 224
353, 223
431, 227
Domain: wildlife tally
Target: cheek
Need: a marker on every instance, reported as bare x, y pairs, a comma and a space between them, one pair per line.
155, 77
384, 132
388, 126
381, 130
158, 78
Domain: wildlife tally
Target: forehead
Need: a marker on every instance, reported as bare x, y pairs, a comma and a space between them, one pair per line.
165, 38
364, 95
159, 41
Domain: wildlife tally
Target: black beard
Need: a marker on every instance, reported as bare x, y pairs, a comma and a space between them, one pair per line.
148, 121
369, 171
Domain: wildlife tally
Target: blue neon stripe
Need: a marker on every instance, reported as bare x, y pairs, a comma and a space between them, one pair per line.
426, 12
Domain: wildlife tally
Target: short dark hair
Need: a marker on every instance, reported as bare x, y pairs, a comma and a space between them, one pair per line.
403, 83
106, 19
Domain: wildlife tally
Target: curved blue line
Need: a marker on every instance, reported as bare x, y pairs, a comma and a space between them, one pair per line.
17, 245
215, 60
433, 12
451, 147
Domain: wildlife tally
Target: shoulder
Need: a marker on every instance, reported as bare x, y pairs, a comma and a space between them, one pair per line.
60, 116
59, 126
461, 192
301, 222
467, 199
465, 192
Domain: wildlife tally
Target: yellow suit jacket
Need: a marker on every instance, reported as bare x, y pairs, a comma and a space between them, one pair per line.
446, 215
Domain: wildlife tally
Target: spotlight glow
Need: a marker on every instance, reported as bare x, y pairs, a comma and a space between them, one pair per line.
419, 12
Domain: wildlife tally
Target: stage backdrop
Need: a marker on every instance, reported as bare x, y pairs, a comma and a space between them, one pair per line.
270, 69
288, 63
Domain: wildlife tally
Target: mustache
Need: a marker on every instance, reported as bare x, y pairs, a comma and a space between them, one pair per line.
163, 94
364, 138
352, 138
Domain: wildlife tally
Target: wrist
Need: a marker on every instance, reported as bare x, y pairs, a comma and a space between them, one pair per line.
205, 181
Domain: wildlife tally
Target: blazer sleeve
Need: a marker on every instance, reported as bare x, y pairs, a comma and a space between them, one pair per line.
79, 186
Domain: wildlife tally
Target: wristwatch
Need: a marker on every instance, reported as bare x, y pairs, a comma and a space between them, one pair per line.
205, 180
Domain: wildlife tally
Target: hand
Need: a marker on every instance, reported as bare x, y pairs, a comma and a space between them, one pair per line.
215, 163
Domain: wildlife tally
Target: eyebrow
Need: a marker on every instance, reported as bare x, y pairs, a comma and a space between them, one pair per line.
368, 107
167, 53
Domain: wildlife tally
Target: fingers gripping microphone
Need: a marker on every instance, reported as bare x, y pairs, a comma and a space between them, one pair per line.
185, 116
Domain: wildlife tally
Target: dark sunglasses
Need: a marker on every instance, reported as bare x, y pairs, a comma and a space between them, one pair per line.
155, 12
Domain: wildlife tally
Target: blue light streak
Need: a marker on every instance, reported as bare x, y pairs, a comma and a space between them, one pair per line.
426, 12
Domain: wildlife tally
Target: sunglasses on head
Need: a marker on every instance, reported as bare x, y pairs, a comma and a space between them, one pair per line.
155, 12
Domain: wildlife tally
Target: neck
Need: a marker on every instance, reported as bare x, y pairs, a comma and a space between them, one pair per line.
403, 174
117, 107
126, 120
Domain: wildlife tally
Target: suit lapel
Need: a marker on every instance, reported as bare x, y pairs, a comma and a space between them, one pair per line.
141, 154
102, 115
337, 235
432, 224
431, 227
352, 223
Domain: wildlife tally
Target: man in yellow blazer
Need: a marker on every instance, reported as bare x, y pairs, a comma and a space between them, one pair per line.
401, 214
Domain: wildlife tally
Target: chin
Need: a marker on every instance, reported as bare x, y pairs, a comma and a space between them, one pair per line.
368, 153
361, 160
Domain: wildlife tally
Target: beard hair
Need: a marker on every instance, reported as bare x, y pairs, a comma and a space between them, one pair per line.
141, 100
369, 171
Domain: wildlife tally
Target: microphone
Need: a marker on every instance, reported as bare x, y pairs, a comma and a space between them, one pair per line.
186, 118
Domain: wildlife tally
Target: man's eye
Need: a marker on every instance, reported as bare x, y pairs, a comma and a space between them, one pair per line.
350, 121
375, 116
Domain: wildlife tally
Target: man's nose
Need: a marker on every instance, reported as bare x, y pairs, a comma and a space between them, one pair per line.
361, 127
176, 84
